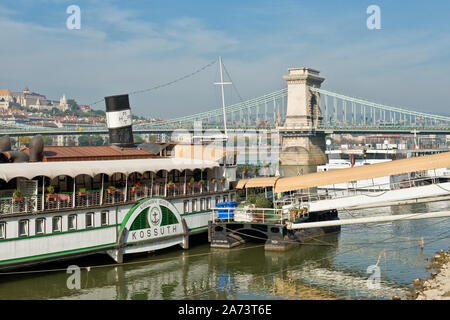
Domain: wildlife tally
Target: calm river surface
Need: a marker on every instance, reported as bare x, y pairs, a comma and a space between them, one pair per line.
331, 267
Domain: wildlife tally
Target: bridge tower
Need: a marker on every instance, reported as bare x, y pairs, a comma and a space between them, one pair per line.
302, 147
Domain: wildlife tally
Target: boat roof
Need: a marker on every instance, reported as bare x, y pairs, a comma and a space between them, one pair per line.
52, 170
422, 163
262, 182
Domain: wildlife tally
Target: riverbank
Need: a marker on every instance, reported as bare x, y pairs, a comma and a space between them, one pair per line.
438, 286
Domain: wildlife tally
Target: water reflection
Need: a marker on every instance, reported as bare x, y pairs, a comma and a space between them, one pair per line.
332, 267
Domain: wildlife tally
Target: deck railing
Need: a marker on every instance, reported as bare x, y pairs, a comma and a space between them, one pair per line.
92, 198
256, 215
302, 199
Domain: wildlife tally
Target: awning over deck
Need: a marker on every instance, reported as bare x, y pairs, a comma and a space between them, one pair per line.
241, 184
261, 182
431, 162
30, 170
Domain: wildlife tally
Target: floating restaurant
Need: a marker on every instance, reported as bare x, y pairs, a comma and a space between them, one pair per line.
117, 199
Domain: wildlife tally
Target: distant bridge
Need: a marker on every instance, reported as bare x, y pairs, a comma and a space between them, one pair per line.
337, 114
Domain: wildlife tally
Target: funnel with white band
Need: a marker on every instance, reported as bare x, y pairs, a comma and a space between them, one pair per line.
119, 121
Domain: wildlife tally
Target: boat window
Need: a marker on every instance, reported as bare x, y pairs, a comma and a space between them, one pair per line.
185, 206
202, 204
40, 226
232, 197
2, 230
23, 228
208, 203
217, 201
89, 220
225, 198
72, 222
194, 205
57, 224
104, 218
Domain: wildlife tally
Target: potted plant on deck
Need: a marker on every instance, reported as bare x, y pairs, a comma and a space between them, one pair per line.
222, 180
111, 189
136, 186
213, 180
170, 185
51, 193
82, 192
191, 181
17, 195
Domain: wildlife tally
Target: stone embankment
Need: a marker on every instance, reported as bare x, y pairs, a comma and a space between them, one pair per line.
438, 286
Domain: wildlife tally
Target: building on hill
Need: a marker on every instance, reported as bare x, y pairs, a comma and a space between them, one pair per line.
6, 98
33, 100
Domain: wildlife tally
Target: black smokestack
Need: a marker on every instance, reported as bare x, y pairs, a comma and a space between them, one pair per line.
119, 121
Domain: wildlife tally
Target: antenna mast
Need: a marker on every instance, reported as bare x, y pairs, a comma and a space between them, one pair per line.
221, 83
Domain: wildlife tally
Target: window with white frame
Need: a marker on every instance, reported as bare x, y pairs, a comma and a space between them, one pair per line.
185, 206
57, 224
40, 226
23, 228
2, 230
104, 218
208, 203
72, 222
202, 204
89, 220
194, 205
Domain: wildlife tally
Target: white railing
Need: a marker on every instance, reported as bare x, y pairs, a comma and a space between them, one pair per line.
303, 199
92, 198
257, 215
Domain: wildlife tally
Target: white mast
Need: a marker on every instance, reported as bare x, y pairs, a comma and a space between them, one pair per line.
221, 83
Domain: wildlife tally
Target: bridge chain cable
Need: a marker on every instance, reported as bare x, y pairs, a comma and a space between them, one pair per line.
167, 83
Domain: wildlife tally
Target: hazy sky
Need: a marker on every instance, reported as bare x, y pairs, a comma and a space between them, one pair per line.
124, 46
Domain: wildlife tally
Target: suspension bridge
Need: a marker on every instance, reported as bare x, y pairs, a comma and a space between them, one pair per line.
330, 112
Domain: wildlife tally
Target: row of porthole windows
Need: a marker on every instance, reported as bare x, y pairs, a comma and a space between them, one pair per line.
40, 223
205, 203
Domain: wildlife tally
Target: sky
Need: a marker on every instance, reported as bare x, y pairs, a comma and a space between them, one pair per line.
125, 46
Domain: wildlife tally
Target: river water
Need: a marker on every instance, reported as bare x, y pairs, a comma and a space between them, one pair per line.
374, 261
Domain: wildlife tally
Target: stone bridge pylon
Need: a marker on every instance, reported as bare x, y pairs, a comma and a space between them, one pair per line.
303, 148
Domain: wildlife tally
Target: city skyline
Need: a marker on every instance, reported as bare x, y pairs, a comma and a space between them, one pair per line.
123, 47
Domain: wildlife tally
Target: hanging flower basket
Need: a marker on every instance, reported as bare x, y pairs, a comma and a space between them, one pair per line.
213, 180
223, 179
170, 185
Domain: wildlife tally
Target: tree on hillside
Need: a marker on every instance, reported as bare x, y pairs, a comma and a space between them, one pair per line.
73, 104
